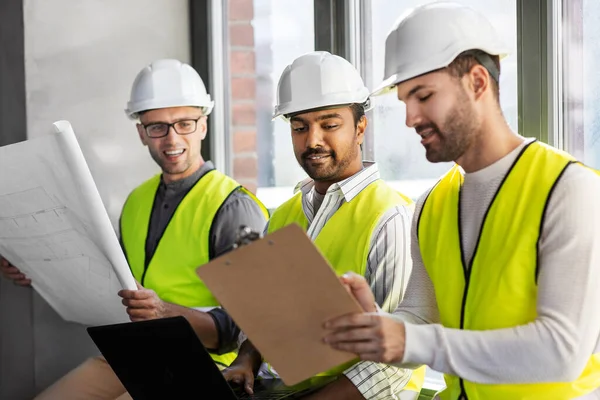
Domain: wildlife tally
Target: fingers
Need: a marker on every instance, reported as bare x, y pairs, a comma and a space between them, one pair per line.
249, 382
22, 282
141, 294
365, 350
354, 336
9, 269
139, 314
142, 304
240, 376
383, 341
352, 321
12, 273
133, 303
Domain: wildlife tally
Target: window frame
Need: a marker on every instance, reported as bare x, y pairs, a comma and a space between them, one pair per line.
208, 19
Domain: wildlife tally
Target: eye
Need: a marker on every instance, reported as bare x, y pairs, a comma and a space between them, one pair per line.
299, 128
156, 128
331, 126
423, 99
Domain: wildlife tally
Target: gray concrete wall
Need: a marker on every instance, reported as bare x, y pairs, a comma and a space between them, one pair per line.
80, 60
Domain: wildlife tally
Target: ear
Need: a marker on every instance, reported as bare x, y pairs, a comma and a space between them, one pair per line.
479, 80
202, 127
142, 134
361, 127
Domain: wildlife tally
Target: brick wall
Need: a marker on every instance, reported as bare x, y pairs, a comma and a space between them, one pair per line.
243, 92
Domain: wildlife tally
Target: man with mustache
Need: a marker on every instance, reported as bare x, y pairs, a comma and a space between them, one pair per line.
357, 221
505, 287
170, 224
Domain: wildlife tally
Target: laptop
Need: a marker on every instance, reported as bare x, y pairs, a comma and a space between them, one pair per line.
164, 359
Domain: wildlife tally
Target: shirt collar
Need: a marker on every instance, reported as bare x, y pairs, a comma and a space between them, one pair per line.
350, 187
185, 184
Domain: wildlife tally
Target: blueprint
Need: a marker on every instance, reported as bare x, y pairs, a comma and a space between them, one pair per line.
54, 228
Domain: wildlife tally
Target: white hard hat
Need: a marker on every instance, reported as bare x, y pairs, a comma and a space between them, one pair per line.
316, 80
430, 37
167, 83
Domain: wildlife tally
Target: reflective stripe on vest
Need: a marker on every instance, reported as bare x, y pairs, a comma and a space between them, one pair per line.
346, 237
503, 269
184, 245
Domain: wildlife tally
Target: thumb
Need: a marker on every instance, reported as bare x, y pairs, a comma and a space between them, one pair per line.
354, 280
359, 289
139, 286
249, 385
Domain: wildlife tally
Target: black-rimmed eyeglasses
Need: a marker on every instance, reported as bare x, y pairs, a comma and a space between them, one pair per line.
161, 129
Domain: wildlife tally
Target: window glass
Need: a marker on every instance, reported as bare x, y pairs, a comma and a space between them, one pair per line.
581, 90
283, 30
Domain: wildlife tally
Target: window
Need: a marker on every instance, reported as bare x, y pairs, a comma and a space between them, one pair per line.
283, 30
395, 147
581, 81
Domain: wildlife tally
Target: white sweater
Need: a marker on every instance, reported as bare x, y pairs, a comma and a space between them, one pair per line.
557, 345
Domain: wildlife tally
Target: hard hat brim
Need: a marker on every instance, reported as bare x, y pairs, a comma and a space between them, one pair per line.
291, 108
389, 84
386, 87
133, 109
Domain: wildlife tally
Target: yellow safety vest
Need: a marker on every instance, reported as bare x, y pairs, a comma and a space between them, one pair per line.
499, 289
345, 239
184, 245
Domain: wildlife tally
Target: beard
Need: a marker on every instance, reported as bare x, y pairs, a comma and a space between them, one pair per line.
331, 167
457, 134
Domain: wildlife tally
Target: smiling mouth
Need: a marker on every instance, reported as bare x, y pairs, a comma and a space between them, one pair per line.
427, 134
174, 153
317, 156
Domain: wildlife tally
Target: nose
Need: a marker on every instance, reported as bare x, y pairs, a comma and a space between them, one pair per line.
171, 135
314, 137
413, 116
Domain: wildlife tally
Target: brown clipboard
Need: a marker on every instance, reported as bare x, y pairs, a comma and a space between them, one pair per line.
280, 290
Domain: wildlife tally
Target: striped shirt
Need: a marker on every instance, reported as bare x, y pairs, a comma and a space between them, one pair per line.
388, 266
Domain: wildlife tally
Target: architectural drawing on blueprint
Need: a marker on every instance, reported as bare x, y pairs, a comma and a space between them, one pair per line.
54, 228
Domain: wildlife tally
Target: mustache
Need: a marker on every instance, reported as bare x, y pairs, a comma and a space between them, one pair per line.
425, 127
316, 152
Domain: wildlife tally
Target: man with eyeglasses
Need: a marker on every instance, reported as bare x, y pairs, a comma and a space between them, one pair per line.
172, 223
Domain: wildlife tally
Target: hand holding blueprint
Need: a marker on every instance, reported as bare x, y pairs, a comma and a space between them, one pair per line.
55, 229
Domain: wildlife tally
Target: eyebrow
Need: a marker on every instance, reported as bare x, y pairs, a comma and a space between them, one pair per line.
319, 118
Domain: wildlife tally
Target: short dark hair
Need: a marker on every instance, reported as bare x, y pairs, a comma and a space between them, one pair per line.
466, 60
358, 111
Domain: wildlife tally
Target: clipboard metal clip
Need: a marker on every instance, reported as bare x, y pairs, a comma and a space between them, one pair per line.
246, 235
